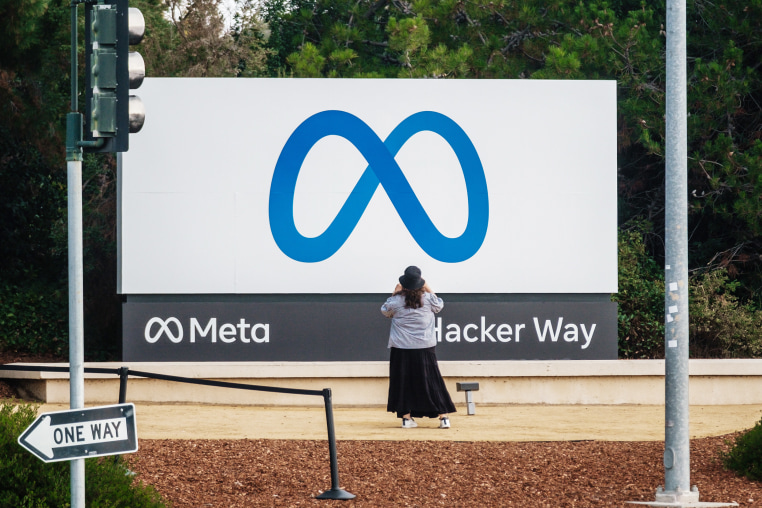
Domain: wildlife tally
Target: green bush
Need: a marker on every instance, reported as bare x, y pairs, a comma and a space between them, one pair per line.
34, 319
721, 326
27, 482
640, 297
745, 456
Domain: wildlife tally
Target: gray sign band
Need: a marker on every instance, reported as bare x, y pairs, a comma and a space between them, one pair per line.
239, 331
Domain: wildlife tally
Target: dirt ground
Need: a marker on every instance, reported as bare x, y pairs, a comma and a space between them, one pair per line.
515, 456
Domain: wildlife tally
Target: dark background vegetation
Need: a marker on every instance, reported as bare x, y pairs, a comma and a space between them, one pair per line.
437, 39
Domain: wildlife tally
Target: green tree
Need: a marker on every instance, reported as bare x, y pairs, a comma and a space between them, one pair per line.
32, 192
191, 39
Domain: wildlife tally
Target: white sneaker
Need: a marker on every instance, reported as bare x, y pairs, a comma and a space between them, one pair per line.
444, 423
408, 423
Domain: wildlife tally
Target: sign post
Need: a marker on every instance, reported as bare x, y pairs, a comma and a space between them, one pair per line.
110, 119
82, 433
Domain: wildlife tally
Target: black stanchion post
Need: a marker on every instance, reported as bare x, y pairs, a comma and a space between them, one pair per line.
123, 372
335, 492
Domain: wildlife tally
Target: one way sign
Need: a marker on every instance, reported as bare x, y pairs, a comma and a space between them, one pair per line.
82, 433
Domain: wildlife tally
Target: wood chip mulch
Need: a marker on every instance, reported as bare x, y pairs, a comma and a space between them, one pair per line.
244, 473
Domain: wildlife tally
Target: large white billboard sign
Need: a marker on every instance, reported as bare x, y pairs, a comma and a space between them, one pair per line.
259, 186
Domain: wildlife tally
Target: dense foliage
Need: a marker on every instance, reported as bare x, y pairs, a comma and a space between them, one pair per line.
27, 482
640, 297
722, 326
745, 455
622, 40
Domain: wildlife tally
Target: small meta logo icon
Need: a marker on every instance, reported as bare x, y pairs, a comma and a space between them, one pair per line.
382, 169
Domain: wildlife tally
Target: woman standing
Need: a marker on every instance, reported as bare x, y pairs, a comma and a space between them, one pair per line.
416, 387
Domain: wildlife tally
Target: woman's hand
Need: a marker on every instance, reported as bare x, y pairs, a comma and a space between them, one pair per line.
397, 288
427, 289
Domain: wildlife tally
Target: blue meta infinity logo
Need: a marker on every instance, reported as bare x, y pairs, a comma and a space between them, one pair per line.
382, 169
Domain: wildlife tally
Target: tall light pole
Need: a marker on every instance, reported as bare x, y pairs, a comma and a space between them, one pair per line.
677, 467
109, 78
677, 490
75, 250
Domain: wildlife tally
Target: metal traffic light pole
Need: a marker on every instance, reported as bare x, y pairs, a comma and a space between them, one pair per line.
76, 301
126, 121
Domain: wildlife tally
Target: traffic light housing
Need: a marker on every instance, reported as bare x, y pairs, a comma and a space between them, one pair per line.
111, 71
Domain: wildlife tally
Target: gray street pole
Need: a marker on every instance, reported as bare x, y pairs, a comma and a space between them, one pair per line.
76, 298
677, 490
677, 438
109, 33
76, 328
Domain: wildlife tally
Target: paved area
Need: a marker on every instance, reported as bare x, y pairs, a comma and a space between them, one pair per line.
490, 423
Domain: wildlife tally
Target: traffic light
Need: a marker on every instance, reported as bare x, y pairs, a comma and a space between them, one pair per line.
111, 71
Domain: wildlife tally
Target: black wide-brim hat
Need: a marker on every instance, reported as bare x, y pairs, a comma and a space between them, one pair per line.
412, 278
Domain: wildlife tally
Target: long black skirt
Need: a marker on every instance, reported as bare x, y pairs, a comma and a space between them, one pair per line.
416, 385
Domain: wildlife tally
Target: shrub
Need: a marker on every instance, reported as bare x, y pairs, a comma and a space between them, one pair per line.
721, 326
34, 319
27, 482
745, 456
640, 298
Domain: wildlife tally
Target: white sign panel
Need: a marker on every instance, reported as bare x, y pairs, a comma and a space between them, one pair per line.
247, 186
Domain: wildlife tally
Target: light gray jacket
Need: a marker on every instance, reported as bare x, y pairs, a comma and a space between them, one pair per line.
412, 328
